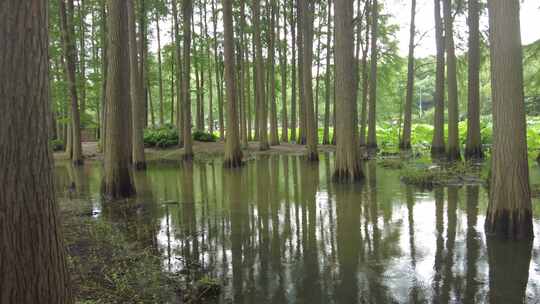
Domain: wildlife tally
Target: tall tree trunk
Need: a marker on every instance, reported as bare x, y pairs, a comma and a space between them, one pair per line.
242, 54
143, 67
104, 67
310, 126
173, 76
438, 144
453, 111
219, 85
187, 11
294, 77
82, 55
233, 153
365, 76
117, 181
509, 212
70, 54
405, 143
210, 80
326, 133
317, 80
160, 73
178, 71
33, 264
348, 162
283, 70
473, 149
139, 162
274, 138
261, 95
372, 117
301, 89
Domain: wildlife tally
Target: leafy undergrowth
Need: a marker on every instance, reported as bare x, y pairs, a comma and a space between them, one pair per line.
106, 267
429, 176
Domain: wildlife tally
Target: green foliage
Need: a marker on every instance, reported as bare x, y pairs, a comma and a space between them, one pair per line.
392, 163
424, 176
164, 137
57, 145
204, 137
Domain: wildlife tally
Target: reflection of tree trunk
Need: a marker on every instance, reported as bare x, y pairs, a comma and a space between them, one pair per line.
509, 263
439, 227
473, 243
448, 261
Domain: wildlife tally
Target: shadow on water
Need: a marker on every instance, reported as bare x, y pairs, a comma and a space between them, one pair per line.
278, 231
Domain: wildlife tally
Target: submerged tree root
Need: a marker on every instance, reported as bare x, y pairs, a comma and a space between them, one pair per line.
510, 224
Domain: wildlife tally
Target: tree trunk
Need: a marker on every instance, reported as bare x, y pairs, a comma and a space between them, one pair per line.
438, 145
301, 88
178, 56
317, 81
405, 144
365, 77
283, 69
261, 95
33, 266
139, 162
326, 133
160, 74
233, 153
274, 138
117, 181
348, 161
244, 67
372, 117
310, 125
473, 149
509, 212
70, 67
82, 56
293, 72
143, 66
219, 85
187, 11
453, 112
104, 67
210, 80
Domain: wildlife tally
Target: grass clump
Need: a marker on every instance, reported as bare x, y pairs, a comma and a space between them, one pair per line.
392, 163
427, 177
204, 137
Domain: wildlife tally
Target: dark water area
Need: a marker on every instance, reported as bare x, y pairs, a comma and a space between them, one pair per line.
279, 231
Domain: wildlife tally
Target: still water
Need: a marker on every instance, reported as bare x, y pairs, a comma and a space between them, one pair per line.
278, 231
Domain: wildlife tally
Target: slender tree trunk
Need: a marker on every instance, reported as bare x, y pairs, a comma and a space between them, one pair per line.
293, 71
82, 55
160, 73
117, 181
405, 143
311, 128
473, 149
365, 77
210, 80
372, 117
453, 111
219, 85
348, 162
317, 80
274, 138
33, 266
104, 67
139, 162
178, 71
301, 93
143, 67
70, 54
438, 144
233, 153
283, 69
261, 95
509, 212
242, 54
187, 11
173, 76
326, 133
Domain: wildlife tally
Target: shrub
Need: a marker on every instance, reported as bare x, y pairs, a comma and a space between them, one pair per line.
57, 145
204, 137
161, 138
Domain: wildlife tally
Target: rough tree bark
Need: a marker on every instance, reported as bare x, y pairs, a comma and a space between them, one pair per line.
326, 132
473, 148
348, 161
33, 266
117, 182
405, 144
453, 152
372, 117
187, 10
438, 147
365, 77
509, 212
233, 153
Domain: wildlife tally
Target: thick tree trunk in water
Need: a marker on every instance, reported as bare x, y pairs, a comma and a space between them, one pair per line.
187, 10
473, 148
139, 162
160, 74
405, 143
453, 112
438, 147
233, 153
259, 67
310, 125
372, 117
117, 181
33, 266
274, 138
293, 73
326, 132
365, 77
348, 161
70, 67
509, 212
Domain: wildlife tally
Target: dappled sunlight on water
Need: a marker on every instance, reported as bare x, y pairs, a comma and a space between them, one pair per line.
278, 231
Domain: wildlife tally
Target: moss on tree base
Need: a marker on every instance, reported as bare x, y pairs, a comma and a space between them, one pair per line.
510, 224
